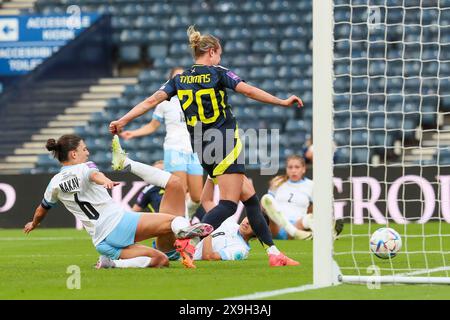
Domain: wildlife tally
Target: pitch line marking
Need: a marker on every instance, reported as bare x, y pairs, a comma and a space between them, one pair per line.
40, 239
267, 294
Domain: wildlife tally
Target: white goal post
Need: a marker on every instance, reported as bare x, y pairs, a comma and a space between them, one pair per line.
323, 141
409, 89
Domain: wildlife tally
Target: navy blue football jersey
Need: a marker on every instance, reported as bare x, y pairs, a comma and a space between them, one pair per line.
202, 92
150, 197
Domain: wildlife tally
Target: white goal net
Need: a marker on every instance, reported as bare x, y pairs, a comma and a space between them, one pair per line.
391, 116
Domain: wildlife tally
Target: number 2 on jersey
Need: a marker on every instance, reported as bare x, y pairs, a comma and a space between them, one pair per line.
290, 198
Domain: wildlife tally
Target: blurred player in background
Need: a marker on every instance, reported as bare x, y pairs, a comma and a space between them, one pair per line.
202, 93
81, 187
289, 203
179, 159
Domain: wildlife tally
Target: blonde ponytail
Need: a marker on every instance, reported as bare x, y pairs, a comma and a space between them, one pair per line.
194, 37
200, 44
277, 181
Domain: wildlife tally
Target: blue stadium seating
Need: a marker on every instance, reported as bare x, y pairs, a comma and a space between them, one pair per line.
269, 45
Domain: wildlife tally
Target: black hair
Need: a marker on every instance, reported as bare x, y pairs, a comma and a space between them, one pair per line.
266, 218
61, 148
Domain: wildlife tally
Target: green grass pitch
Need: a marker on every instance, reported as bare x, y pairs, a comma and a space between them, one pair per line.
36, 266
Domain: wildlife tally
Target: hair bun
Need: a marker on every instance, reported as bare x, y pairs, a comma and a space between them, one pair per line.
51, 145
194, 36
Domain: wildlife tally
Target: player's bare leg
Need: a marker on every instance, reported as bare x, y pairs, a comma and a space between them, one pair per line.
158, 258
172, 202
135, 256
194, 183
207, 197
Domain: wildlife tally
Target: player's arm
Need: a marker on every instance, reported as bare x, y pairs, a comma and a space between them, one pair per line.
39, 215
100, 179
145, 130
265, 97
159, 96
207, 252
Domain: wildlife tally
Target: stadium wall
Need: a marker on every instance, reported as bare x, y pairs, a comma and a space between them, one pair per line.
376, 195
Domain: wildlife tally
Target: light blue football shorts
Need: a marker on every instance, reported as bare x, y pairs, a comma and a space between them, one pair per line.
181, 161
282, 234
121, 237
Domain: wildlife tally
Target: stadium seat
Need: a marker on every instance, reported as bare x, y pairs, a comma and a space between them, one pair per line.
342, 156
260, 18
205, 21
158, 36
232, 20
157, 51
442, 157
359, 137
291, 72
130, 53
293, 45
252, 6
237, 46
264, 46
179, 49
239, 34
146, 22
119, 22
296, 125
394, 85
243, 113
376, 50
429, 116
287, 18
161, 8
295, 32
132, 36
179, 21
361, 155
263, 72
342, 137
342, 31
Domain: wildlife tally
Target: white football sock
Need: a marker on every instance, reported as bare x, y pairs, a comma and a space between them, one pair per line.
179, 223
290, 229
149, 174
273, 250
307, 222
138, 262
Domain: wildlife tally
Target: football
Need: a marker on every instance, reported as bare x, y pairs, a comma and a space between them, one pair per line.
385, 243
